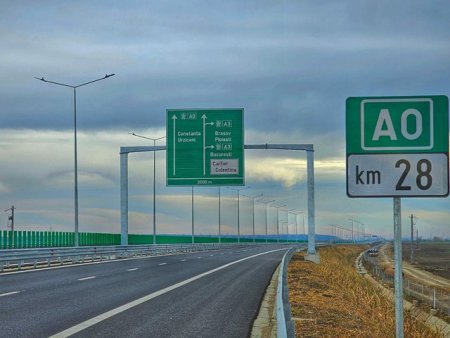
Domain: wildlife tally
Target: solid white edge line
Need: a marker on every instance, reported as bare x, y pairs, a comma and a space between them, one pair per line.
9, 293
95, 320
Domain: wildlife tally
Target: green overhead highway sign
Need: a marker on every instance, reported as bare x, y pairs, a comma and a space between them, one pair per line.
397, 146
205, 147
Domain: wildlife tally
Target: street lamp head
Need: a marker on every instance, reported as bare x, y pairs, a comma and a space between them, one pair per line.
239, 189
265, 202
148, 138
108, 75
277, 206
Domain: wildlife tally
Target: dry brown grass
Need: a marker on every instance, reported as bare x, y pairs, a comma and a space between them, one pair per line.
333, 300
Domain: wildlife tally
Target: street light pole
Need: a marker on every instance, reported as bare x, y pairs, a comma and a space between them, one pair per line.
266, 203
154, 179
287, 217
239, 227
296, 223
278, 222
253, 208
75, 139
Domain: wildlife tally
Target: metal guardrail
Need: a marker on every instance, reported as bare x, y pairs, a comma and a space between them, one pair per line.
285, 326
18, 259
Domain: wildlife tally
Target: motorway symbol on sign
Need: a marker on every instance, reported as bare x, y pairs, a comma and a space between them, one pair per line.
397, 146
205, 147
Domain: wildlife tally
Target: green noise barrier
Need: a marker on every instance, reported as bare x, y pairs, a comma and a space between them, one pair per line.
47, 239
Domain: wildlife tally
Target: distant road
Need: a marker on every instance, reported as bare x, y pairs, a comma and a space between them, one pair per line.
205, 294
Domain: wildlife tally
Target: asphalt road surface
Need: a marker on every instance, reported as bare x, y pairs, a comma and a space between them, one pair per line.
204, 294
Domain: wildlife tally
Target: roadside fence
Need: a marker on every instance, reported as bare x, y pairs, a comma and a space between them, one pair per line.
431, 297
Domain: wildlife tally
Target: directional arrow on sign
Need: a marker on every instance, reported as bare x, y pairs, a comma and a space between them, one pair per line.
204, 117
174, 118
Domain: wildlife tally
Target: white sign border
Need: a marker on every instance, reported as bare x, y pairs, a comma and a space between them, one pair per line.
372, 195
398, 100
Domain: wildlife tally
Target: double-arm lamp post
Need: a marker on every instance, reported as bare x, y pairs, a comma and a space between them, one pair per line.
154, 179
265, 211
253, 208
238, 211
278, 220
74, 87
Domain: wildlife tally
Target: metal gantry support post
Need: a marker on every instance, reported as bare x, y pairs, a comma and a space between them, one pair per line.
124, 198
124, 151
311, 207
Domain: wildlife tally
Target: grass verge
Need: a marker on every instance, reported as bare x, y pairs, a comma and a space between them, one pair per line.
333, 300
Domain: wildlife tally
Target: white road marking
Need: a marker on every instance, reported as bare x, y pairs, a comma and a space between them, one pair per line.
161, 264
183, 260
133, 269
80, 264
9, 293
211, 255
87, 278
95, 320
199, 257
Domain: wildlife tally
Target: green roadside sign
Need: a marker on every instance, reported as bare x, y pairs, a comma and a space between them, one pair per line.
397, 146
205, 147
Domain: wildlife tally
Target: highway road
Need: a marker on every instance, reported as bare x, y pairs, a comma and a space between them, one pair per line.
204, 294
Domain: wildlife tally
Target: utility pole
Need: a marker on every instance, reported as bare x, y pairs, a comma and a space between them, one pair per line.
413, 218
417, 238
11, 218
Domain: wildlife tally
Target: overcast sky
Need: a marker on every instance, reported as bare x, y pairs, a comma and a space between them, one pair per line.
289, 64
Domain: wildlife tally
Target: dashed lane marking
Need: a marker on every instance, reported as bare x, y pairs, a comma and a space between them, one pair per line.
9, 293
87, 278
